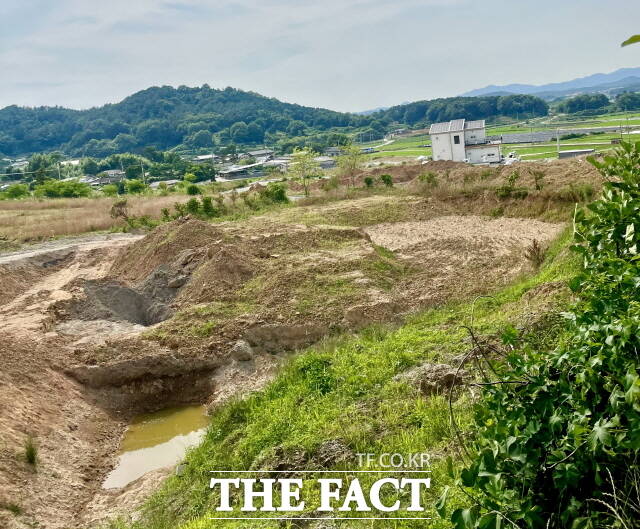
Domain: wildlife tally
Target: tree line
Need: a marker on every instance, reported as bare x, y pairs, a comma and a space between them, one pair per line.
202, 118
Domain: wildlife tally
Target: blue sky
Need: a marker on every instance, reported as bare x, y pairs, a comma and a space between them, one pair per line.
342, 54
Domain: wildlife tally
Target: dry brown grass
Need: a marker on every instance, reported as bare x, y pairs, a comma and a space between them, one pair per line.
31, 220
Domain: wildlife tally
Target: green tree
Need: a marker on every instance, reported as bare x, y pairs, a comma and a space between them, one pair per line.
304, 166
628, 101
89, 166
239, 132
110, 190
350, 162
17, 191
135, 186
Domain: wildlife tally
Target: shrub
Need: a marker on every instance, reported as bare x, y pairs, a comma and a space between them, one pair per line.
333, 182
134, 186
558, 433
207, 206
386, 179
275, 192
181, 209
193, 189
368, 181
538, 179
17, 191
430, 178
575, 193
535, 253
11, 507
120, 209
251, 201
58, 189
110, 190
30, 451
193, 206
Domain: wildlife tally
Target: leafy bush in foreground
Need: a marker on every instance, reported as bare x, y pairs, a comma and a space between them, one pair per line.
558, 437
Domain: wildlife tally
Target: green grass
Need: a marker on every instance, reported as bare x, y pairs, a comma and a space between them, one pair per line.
346, 391
12, 508
30, 451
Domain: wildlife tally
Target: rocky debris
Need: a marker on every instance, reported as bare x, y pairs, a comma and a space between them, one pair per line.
433, 379
362, 315
331, 452
275, 338
242, 351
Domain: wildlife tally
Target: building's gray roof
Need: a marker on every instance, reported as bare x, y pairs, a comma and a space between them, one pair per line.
478, 124
260, 152
456, 125
439, 128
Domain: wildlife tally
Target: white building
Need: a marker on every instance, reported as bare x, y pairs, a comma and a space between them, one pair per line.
463, 141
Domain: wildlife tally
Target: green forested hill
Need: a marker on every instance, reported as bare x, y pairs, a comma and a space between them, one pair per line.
166, 117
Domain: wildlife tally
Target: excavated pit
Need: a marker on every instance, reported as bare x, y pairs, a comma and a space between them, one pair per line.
146, 303
117, 302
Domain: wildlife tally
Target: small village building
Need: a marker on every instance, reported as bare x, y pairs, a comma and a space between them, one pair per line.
206, 158
459, 140
261, 153
326, 162
169, 183
114, 174
236, 172
332, 151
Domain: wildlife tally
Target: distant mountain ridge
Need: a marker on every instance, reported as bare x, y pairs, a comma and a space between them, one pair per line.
623, 76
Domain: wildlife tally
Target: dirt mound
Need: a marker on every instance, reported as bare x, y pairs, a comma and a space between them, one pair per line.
162, 246
219, 276
554, 174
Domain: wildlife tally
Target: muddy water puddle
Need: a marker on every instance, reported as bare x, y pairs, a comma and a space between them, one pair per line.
157, 440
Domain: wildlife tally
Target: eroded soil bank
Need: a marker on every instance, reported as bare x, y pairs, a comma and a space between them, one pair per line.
193, 313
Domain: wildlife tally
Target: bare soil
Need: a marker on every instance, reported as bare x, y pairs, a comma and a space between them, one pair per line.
95, 332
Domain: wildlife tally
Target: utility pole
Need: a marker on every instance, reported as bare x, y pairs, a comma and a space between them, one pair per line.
558, 141
59, 177
142, 173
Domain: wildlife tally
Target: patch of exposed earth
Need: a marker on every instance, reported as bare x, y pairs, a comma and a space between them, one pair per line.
197, 313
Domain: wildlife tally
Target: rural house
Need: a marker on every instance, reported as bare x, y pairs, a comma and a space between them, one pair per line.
463, 141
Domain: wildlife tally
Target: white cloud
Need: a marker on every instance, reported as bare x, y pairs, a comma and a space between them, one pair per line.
342, 54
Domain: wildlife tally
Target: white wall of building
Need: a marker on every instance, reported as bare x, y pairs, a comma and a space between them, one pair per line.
441, 147
475, 136
457, 149
483, 154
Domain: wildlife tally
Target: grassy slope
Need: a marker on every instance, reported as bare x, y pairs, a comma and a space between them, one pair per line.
344, 389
